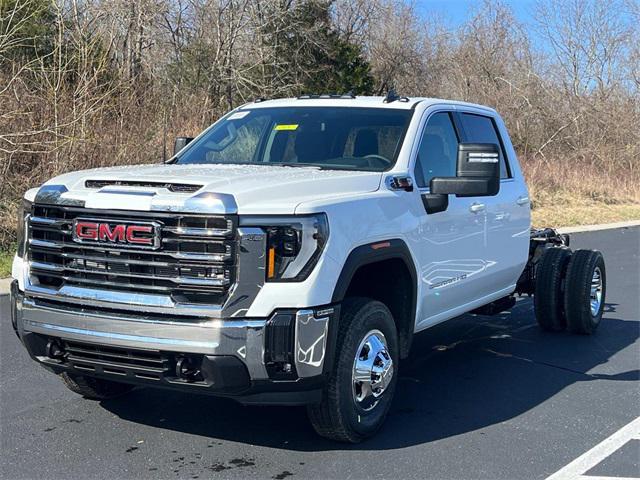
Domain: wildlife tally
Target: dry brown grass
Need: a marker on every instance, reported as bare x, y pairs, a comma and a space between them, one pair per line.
569, 215
578, 192
6, 259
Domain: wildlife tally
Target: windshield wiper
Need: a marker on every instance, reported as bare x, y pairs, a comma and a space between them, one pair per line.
295, 165
321, 166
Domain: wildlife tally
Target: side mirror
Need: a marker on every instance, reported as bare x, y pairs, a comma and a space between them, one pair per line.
180, 143
478, 172
478, 175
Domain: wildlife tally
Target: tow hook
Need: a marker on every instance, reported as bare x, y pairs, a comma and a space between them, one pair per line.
188, 370
55, 350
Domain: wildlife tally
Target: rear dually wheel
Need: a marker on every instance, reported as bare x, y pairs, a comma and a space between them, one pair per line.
548, 299
585, 289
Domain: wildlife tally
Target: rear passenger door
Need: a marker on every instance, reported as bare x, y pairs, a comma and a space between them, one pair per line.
506, 214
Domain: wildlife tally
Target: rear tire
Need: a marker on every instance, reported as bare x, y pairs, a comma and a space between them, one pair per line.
352, 410
548, 299
585, 290
94, 388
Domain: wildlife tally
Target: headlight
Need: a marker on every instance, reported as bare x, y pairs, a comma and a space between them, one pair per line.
24, 209
294, 244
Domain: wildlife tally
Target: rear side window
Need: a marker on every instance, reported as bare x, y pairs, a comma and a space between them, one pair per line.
481, 129
438, 150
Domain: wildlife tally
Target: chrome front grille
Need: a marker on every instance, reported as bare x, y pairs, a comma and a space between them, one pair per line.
195, 263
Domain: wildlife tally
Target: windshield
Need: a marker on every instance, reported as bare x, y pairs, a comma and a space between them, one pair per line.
326, 137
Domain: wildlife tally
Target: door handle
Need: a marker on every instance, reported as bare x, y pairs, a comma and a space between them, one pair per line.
477, 207
522, 200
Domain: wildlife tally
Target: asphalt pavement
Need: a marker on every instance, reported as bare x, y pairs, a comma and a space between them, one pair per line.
480, 397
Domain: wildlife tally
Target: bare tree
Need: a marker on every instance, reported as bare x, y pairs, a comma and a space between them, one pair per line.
588, 39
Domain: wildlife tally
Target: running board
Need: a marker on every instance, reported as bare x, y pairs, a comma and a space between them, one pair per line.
498, 306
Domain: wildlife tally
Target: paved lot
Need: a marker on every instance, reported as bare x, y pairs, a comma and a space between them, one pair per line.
481, 397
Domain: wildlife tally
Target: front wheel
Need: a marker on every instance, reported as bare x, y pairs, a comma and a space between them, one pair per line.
360, 388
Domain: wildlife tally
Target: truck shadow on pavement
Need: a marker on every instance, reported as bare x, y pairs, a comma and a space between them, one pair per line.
463, 375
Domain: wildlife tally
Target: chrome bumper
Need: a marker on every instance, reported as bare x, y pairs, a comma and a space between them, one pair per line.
242, 338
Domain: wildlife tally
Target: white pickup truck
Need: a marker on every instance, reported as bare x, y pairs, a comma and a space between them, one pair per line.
288, 254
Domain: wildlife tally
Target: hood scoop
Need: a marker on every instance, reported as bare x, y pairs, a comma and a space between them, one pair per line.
172, 187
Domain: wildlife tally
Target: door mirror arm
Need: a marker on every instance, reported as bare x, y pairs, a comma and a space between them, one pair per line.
435, 202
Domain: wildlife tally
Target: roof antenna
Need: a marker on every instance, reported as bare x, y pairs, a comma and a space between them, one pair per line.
392, 96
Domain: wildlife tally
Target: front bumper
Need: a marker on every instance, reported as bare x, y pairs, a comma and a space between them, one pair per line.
282, 359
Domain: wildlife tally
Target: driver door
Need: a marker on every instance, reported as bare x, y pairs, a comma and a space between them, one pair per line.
451, 243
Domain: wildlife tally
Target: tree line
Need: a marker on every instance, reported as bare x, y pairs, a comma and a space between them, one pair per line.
89, 83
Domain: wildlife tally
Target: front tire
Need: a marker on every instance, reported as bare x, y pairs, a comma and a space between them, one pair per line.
360, 388
94, 388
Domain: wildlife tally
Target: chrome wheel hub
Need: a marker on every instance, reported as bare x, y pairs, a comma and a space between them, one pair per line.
596, 291
372, 370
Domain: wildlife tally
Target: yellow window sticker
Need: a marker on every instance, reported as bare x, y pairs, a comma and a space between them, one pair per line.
286, 127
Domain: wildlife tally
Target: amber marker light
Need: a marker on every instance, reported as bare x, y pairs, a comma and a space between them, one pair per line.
271, 267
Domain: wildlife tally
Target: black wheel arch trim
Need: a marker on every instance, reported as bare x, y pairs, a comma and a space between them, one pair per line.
374, 252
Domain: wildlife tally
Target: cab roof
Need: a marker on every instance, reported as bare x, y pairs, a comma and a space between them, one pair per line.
403, 103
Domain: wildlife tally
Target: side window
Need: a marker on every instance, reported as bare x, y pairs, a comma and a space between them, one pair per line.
480, 129
438, 150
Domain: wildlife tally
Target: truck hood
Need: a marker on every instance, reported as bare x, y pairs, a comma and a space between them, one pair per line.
244, 189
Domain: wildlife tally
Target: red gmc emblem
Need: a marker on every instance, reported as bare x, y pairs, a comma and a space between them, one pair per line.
141, 235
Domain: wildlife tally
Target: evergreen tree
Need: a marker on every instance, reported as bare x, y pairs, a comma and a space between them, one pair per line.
316, 57
340, 65
28, 28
